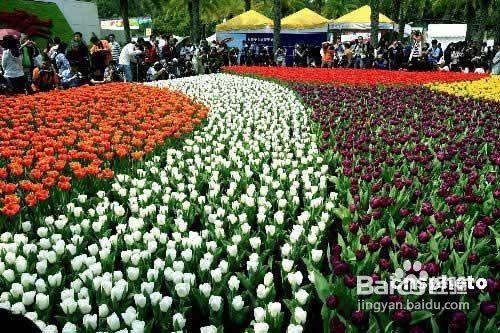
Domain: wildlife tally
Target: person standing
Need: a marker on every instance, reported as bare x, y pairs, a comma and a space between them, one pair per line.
12, 64
434, 53
326, 56
78, 52
61, 62
115, 47
280, 57
127, 54
30, 55
100, 54
495, 69
359, 53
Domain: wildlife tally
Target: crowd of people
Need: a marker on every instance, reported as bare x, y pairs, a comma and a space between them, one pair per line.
28, 68
466, 56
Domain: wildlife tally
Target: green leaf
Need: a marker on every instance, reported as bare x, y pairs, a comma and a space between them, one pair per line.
491, 327
419, 316
435, 327
325, 316
322, 286
341, 212
477, 327
388, 327
433, 246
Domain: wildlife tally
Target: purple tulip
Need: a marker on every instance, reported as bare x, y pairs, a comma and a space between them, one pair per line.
488, 308
473, 258
443, 255
359, 318
458, 322
350, 281
336, 326
402, 317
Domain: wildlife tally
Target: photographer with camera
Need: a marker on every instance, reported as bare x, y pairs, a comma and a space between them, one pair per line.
127, 55
157, 71
44, 77
12, 64
71, 77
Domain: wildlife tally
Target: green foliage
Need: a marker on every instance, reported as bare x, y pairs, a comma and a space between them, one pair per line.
44, 11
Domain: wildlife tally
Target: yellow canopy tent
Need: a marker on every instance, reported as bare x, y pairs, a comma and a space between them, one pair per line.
359, 19
250, 20
304, 19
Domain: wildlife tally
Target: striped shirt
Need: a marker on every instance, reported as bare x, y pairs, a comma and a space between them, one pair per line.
115, 51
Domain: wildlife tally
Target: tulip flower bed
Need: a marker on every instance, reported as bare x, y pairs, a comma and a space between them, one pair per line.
212, 234
354, 77
417, 177
485, 89
50, 140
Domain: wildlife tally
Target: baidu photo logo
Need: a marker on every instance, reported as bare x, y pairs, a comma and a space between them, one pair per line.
412, 279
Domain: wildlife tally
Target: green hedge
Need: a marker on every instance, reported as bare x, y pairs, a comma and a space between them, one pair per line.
44, 11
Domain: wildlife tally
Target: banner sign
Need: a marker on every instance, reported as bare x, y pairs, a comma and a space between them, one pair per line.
117, 24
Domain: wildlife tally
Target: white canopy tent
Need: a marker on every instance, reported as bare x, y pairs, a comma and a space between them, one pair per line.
446, 33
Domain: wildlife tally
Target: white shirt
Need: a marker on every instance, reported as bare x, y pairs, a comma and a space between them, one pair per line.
12, 66
161, 43
127, 53
53, 52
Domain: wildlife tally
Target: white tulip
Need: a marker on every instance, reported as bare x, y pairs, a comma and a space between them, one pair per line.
90, 321
287, 265
259, 314
233, 283
165, 303
274, 308
42, 301
262, 291
179, 321
205, 289
238, 303
69, 328
268, 279
182, 289
18, 308
29, 297
84, 305
215, 302
208, 329
103, 310
113, 322
299, 315
294, 329
301, 296
260, 327
140, 300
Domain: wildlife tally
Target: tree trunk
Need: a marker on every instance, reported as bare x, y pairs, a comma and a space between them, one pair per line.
470, 20
277, 24
126, 24
190, 13
195, 33
374, 4
401, 21
248, 5
396, 6
481, 19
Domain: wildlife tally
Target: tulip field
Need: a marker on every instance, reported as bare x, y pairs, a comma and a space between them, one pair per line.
229, 203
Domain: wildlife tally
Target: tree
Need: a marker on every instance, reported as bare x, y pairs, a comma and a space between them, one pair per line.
196, 21
248, 5
126, 24
375, 5
277, 24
